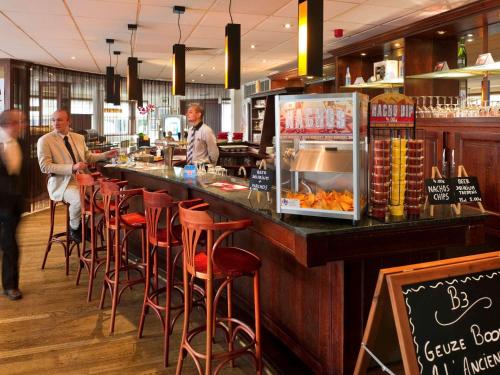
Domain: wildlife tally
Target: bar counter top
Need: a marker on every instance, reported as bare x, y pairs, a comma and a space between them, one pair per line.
307, 227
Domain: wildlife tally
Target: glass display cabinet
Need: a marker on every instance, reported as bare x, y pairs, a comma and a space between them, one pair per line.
321, 155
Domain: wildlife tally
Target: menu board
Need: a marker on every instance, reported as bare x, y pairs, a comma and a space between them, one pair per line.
466, 189
439, 191
261, 180
455, 323
317, 116
453, 190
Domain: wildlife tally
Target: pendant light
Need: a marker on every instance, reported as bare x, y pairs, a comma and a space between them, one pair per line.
139, 87
310, 48
110, 75
232, 54
179, 59
132, 73
117, 82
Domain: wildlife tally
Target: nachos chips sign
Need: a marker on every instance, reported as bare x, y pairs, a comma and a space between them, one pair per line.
392, 110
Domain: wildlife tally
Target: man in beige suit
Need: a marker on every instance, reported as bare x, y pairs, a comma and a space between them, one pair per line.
61, 154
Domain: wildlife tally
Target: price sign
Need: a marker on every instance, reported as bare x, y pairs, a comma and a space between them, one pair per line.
439, 191
466, 189
261, 180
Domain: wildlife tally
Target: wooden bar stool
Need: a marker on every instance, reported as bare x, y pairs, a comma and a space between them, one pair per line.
217, 262
115, 199
93, 218
159, 206
62, 238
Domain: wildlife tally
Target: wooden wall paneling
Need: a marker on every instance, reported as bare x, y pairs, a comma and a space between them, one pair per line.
433, 150
443, 50
479, 153
418, 59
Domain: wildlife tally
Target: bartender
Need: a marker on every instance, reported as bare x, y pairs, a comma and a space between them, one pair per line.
201, 142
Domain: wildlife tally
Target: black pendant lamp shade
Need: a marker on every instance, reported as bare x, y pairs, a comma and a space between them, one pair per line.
132, 78
139, 93
179, 70
110, 84
310, 48
232, 51
117, 89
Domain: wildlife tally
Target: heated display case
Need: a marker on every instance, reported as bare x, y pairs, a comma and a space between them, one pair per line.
321, 155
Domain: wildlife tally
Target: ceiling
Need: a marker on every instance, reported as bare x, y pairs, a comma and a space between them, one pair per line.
71, 33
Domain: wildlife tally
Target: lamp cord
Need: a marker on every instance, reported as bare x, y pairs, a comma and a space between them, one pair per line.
230, 15
131, 49
179, 26
109, 52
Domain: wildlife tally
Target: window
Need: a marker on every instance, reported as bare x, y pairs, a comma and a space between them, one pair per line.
226, 115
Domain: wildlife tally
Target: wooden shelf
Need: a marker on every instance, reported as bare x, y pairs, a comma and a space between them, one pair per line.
385, 84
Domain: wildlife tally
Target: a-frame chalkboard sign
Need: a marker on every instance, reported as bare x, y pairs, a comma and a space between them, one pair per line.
436, 318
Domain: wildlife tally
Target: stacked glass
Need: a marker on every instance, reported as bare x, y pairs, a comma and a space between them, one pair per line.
398, 176
380, 179
414, 177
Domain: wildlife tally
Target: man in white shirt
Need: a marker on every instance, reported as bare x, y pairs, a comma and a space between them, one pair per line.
202, 145
61, 154
11, 198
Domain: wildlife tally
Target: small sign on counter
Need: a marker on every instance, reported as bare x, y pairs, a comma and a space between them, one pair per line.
261, 180
189, 171
466, 189
439, 191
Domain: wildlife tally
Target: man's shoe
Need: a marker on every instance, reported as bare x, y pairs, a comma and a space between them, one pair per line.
13, 294
76, 234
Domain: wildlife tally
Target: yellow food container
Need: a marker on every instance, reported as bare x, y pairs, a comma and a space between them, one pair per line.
397, 210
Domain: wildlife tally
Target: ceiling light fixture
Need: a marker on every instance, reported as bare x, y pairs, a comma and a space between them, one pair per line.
179, 59
470, 40
192, 80
287, 26
441, 32
73, 57
252, 46
110, 76
397, 45
264, 61
202, 75
310, 47
363, 54
117, 90
139, 86
470, 35
132, 72
232, 54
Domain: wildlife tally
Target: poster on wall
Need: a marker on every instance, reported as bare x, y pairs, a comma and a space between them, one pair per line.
316, 116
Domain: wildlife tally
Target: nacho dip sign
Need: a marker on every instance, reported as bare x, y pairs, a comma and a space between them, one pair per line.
392, 110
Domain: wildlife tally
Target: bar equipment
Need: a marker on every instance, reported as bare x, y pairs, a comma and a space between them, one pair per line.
321, 155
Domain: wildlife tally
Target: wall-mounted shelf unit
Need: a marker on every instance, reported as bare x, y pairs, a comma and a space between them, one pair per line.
385, 84
462, 73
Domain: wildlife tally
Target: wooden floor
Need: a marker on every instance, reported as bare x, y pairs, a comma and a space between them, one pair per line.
53, 330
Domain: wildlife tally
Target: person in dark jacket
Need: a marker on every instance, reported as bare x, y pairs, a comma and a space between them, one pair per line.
11, 198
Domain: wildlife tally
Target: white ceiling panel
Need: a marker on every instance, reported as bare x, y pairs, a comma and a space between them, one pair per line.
29, 6
103, 10
49, 25
205, 42
401, 4
266, 7
166, 15
278, 24
257, 36
369, 14
204, 32
335, 8
247, 21
190, 4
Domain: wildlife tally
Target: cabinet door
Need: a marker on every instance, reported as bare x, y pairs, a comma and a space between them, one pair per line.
479, 153
433, 148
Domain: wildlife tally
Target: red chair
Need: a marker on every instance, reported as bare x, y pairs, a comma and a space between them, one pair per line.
160, 207
222, 263
115, 199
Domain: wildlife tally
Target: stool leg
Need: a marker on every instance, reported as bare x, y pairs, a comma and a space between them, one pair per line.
93, 257
116, 280
51, 233
145, 306
108, 266
68, 242
229, 316
258, 342
210, 327
168, 292
81, 264
185, 324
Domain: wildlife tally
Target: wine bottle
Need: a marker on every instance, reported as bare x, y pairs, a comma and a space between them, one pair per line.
347, 77
462, 54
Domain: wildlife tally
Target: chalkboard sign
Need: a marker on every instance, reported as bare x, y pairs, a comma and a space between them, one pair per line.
261, 180
439, 191
466, 189
455, 323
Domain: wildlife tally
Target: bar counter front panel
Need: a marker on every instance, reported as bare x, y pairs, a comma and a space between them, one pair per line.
318, 275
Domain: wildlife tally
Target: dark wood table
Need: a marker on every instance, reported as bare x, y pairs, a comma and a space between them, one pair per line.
318, 275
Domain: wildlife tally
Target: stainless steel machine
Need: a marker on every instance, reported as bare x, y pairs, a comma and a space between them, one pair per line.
321, 155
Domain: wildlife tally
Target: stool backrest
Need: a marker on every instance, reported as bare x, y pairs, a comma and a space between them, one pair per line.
157, 204
109, 197
87, 185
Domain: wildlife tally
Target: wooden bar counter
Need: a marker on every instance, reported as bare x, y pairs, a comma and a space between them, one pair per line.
318, 275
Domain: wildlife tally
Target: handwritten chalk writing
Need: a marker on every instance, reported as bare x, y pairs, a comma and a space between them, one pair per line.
435, 370
456, 302
488, 301
440, 350
488, 336
486, 362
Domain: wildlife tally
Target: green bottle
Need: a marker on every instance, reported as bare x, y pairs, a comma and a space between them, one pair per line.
462, 54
